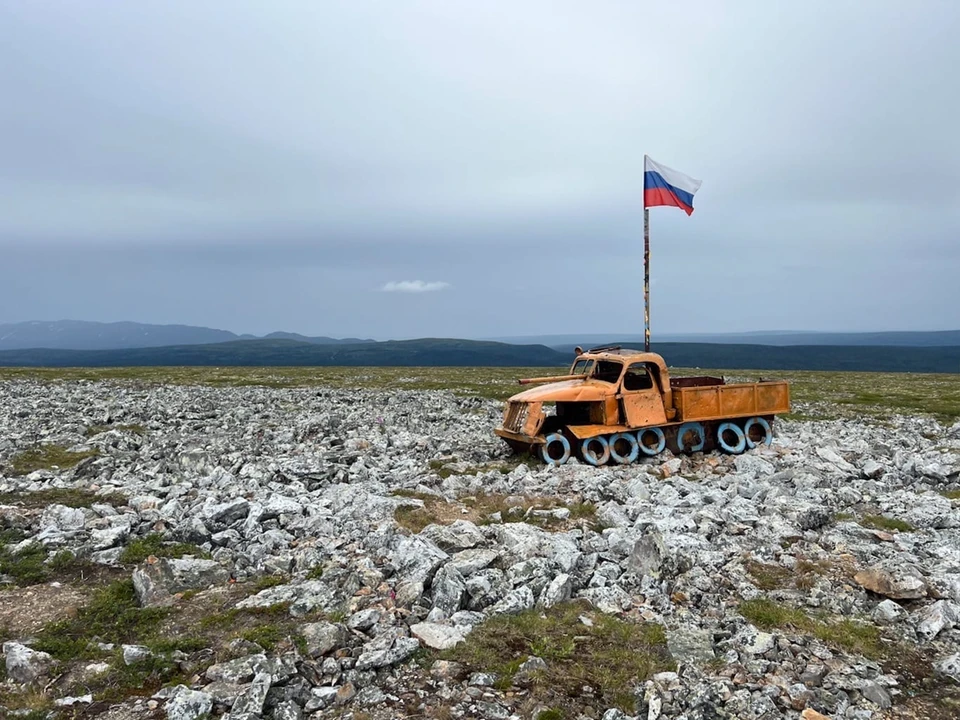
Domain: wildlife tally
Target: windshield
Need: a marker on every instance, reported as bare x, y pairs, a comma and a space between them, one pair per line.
607, 371
581, 367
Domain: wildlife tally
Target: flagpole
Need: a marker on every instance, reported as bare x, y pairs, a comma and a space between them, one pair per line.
646, 279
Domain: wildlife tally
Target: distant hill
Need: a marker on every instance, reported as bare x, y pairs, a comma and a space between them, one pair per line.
82, 335
321, 340
472, 353
939, 338
280, 352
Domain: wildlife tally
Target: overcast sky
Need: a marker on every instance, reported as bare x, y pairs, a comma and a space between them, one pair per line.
406, 169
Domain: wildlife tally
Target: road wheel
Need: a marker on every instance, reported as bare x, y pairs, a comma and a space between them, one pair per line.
595, 450
651, 440
758, 432
691, 437
623, 448
555, 449
731, 438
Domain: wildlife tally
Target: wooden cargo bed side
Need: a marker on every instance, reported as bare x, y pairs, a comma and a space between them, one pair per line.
719, 402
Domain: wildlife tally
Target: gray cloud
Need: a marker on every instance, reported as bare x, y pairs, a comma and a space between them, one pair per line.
260, 167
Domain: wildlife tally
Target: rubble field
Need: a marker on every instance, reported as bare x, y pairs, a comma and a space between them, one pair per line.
289, 551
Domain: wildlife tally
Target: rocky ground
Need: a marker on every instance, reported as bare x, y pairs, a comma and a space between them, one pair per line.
294, 553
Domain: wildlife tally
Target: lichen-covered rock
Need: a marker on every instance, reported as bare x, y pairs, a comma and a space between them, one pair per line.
24, 664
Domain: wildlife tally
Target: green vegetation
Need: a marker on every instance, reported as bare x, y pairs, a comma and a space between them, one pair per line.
111, 616
609, 654
31, 566
153, 544
802, 576
8, 536
951, 494
26, 566
97, 429
480, 507
269, 581
71, 497
46, 457
882, 522
316, 572
849, 635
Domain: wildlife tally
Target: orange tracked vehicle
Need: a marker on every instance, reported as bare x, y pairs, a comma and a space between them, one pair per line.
617, 404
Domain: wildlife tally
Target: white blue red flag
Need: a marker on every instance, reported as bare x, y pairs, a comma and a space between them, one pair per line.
663, 186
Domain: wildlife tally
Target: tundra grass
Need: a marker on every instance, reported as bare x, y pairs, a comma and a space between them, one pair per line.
71, 497
581, 648
815, 394
153, 544
47, 457
849, 635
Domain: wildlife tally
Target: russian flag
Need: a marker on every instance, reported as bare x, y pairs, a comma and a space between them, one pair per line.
663, 186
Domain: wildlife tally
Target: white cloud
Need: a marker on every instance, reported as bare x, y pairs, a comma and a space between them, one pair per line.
414, 286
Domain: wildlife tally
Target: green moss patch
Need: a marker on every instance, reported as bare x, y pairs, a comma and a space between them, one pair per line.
849, 635
608, 654
47, 457
153, 544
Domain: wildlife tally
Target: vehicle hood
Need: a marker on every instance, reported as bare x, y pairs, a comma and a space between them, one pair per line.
567, 391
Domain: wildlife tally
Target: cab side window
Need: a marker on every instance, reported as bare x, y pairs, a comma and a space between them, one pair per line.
637, 378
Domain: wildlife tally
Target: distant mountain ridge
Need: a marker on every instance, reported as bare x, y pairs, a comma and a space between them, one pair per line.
904, 338
84, 335
473, 353
281, 352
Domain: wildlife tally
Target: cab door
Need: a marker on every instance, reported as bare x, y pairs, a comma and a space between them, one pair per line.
641, 402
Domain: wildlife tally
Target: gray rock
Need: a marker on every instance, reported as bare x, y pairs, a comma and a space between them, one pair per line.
460, 535
935, 618
320, 698
225, 513
24, 664
648, 555
287, 710
438, 637
322, 637
888, 612
949, 667
187, 704
251, 700
516, 601
449, 590
559, 590
470, 561
402, 648
364, 619
690, 645
876, 694
486, 588
63, 518
156, 582
224, 693
135, 653
240, 670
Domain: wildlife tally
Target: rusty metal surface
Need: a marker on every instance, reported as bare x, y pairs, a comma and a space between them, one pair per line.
718, 402
554, 378
582, 432
518, 437
643, 408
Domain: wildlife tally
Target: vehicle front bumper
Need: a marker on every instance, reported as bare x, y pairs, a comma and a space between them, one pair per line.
518, 437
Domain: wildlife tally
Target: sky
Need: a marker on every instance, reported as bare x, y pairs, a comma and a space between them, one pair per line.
453, 169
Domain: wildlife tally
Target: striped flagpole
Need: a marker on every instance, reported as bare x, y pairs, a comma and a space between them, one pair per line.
646, 279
